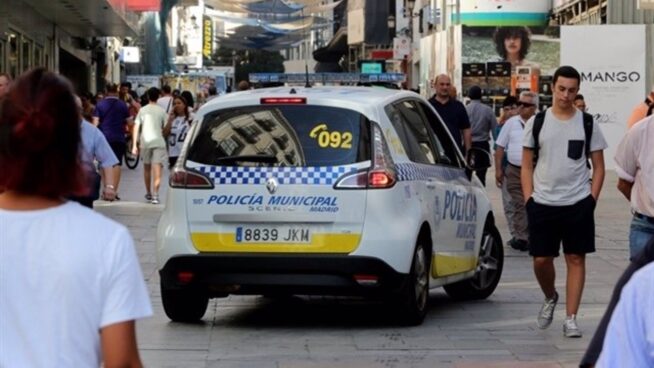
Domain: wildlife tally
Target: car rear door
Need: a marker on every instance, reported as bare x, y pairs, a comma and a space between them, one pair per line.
276, 169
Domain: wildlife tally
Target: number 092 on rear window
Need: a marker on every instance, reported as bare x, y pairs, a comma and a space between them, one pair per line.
285, 135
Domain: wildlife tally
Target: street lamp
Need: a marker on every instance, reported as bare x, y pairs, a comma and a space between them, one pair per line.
391, 27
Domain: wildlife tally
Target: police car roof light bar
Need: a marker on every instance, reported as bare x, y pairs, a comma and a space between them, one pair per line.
326, 78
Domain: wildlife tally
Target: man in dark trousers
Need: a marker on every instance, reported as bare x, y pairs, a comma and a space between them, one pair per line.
482, 123
452, 112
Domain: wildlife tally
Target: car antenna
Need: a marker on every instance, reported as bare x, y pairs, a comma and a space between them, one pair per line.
306, 56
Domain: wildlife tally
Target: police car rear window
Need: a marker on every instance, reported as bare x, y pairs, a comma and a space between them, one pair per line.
282, 135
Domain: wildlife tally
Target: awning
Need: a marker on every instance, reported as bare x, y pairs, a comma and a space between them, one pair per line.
86, 18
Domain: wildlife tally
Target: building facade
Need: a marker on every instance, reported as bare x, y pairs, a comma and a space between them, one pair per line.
70, 37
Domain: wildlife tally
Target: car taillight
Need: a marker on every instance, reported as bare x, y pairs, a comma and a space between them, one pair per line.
380, 179
184, 178
283, 101
380, 175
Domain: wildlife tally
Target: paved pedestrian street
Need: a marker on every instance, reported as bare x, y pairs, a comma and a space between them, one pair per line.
317, 332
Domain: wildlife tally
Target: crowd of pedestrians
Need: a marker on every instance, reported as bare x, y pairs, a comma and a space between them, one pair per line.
550, 167
549, 164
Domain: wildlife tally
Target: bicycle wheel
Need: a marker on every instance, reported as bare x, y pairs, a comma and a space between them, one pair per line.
131, 160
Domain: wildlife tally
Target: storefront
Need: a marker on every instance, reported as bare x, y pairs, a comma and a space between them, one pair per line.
63, 41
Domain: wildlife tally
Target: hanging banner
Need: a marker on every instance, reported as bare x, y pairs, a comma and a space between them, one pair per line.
611, 83
207, 40
505, 12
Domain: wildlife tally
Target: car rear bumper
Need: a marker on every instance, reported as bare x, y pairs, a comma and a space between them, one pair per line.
219, 274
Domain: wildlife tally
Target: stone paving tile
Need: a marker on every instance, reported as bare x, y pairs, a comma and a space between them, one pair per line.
168, 358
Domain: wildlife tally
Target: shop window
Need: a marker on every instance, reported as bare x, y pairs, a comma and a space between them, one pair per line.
3, 64
38, 55
26, 54
13, 55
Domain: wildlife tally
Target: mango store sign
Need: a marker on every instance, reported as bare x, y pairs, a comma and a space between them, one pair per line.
612, 84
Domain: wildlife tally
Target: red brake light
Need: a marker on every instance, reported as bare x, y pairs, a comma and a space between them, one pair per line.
283, 101
380, 179
182, 178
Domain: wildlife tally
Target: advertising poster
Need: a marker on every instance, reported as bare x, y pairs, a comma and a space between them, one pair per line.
517, 58
506, 12
612, 67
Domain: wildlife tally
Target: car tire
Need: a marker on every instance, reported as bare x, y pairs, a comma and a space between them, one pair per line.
413, 300
488, 271
184, 305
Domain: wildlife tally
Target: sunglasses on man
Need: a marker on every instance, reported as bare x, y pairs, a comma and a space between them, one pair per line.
526, 104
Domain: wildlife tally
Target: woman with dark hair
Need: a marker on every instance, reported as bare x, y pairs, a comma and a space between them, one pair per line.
188, 96
512, 45
70, 279
179, 121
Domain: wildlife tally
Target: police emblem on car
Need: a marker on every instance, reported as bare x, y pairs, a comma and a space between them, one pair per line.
271, 185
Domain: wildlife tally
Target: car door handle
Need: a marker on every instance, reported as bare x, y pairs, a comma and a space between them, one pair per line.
431, 184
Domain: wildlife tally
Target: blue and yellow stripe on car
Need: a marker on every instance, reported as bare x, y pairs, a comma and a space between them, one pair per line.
451, 264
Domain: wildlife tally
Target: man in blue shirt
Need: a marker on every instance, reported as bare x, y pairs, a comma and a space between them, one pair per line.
452, 112
95, 147
111, 115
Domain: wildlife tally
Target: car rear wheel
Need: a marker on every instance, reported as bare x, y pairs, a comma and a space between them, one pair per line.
414, 297
488, 272
184, 305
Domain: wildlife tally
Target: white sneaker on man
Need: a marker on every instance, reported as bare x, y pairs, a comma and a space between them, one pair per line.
546, 314
570, 328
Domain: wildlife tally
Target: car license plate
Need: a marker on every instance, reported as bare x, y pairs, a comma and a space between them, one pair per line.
273, 234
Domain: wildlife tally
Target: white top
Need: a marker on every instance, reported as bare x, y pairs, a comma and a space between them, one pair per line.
510, 139
65, 273
166, 103
561, 177
152, 119
629, 340
635, 163
178, 131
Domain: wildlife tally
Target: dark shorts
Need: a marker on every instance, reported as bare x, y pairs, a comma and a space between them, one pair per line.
572, 225
119, 149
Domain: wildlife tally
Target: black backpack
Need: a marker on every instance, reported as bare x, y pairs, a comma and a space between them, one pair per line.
588, 132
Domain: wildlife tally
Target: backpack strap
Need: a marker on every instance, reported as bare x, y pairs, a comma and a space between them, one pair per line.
539, 120
588, 133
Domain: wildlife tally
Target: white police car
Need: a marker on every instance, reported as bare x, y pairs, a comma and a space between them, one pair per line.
328, 190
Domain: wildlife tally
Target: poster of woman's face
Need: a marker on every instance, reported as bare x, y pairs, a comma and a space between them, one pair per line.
530, 53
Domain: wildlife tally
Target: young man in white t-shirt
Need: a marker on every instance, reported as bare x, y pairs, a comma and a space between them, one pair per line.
560, 199
150, 122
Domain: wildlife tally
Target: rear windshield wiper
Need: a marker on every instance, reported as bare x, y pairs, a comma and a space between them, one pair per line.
266, 159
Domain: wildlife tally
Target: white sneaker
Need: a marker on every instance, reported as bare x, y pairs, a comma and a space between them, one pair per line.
155, 199
570, 328
547, 312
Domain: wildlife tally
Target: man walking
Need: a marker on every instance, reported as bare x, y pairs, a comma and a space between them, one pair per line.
560, 199
111, 115
452, 112
150, 122
482, 122
166, 99
510, 141
635, 168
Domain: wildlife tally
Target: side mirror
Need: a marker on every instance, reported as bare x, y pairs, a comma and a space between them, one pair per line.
478, 159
